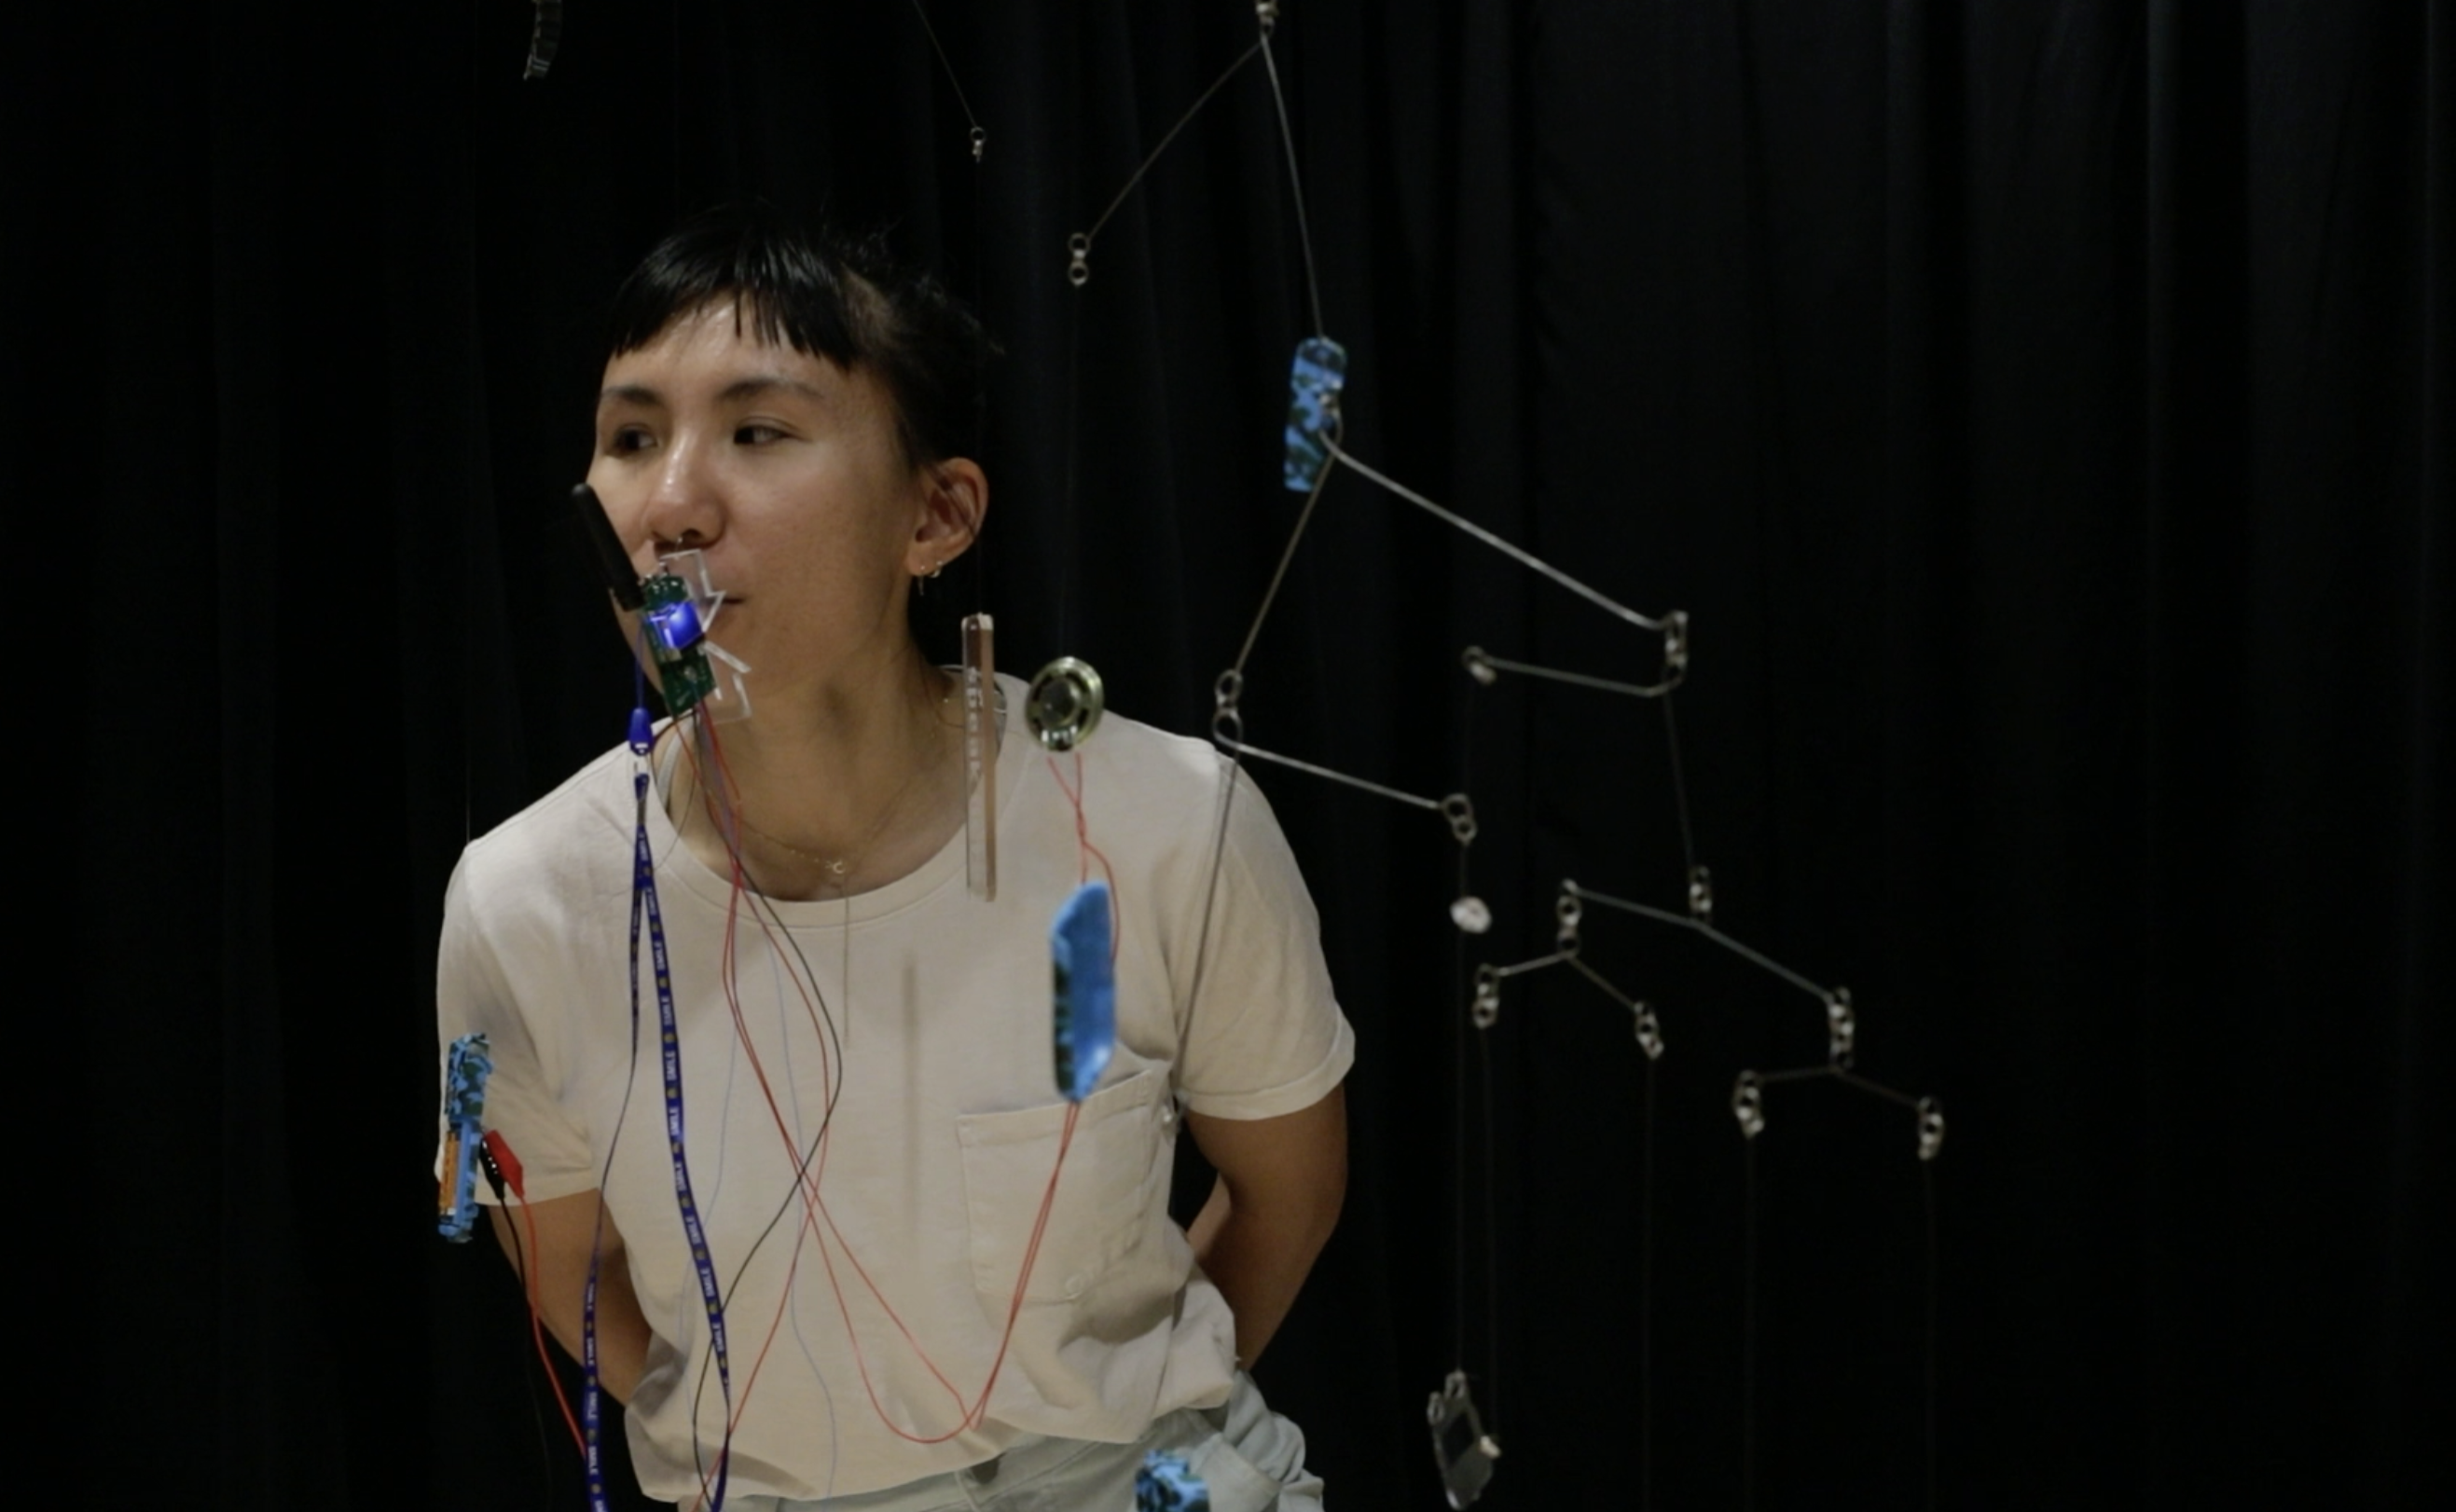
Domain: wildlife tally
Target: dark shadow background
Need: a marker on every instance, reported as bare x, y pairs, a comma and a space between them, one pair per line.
2042, 410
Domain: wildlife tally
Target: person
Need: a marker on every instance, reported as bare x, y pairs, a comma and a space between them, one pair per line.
941, 1283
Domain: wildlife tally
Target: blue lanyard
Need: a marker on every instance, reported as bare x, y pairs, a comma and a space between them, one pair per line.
644, 903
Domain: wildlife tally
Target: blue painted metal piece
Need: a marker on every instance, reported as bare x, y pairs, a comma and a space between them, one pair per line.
1167, 1483
465, 1069
1314, 382
1084, 1030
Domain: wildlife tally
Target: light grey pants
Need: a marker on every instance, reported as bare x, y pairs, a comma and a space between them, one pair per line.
1250, 1458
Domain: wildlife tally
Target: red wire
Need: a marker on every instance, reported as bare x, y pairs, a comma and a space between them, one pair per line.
814, 1206
511, 1167
1086, 851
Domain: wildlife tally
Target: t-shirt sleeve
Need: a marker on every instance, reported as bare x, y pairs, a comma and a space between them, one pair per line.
473, 994
1263, 1034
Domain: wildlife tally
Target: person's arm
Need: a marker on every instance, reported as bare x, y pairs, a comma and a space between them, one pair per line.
560, 1256
1282, 1181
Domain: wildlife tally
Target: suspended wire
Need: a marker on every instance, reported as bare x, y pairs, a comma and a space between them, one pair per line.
1748, 1326
1686, 921
1295, 187
1680, 792
979, 137
1646, 1294
1491, 1233
1516, 553
1458, 1140
1153, 155
1280, 572
1935, 1286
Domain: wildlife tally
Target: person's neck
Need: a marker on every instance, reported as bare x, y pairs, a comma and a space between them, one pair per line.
838, 787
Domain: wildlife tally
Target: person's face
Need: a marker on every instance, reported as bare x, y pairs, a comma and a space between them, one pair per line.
785, 471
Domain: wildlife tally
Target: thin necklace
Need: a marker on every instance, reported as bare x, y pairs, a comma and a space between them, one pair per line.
840, 868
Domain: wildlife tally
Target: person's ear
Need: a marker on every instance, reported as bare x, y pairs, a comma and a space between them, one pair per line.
955, 497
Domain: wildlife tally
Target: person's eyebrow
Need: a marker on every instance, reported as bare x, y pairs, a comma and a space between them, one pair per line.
734, 393
759, 383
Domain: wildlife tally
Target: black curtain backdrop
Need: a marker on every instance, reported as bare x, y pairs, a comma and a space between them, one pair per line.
2042, 411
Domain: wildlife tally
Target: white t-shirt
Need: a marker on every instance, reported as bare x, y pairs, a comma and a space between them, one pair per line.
948, 1124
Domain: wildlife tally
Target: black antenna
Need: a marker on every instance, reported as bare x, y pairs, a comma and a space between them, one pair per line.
613, 563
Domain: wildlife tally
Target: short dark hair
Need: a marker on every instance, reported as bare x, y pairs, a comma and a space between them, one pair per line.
824, 296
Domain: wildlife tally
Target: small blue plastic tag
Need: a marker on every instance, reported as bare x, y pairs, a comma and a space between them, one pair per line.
1084, 1027
1314, 381
1167, 1483
465, 1069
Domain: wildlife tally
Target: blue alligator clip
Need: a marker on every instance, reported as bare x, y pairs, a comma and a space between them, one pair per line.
465, 1071
1314, 381
1084, 1030
1167, 1483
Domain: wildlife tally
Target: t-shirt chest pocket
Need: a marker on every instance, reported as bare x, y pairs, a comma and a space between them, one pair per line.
1112, 1191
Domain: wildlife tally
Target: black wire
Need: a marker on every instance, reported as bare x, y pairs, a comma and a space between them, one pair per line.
1935, 1282
1068, 512
980, 552
1645, 1293
1491, 1236
1747, 1324
765, 905
676, 76
537, 1408
1680, 795
1458, 1140
800, 1171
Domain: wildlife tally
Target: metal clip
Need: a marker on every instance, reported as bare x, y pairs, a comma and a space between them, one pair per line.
1841, 1026
1568, 910
1226, 723
1479, 665
1459, 811
1701, 896
1748, 1104
1649, 1034
1675, 648
1487, 997
1931, 1125
1266, 14
1078, 259
980, 143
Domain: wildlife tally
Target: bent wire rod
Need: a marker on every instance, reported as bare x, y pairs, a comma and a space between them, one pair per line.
1567, 945
1750, 955
1842, 1075
1748, 1101
980, 139
1483, 665
1488, 980
1239, 748
1079, 245
1516, 553
1278, 574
